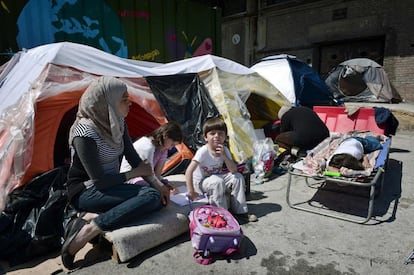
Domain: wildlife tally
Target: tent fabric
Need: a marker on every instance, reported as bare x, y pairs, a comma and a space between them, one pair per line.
361, 80
31, 63
189, 106
40, 89
298, 82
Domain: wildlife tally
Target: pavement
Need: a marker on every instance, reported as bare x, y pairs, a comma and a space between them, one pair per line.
288, 241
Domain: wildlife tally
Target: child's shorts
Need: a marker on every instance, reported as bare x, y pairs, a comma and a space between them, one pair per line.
370, 143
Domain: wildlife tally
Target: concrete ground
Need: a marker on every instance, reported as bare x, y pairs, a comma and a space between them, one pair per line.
288, 241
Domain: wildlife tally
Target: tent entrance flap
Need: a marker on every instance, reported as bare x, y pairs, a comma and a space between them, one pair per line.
184, 99
351, 84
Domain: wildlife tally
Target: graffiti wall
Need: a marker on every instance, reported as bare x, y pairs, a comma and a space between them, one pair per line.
151, 30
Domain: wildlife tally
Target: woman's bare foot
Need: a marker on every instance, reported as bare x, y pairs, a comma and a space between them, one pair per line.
89, 216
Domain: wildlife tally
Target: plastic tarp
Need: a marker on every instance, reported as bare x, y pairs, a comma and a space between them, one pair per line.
230, 94
184, 99
32, 222
190, 101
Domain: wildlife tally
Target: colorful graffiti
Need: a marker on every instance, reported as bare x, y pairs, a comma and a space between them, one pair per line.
133, 13
184, 49
203, 48
64, 22
4, 6
150, 56
188, 46
156, 30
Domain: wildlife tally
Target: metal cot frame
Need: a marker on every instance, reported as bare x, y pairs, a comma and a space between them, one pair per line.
338, 121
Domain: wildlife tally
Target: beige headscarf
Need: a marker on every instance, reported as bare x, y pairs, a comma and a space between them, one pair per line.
98, 108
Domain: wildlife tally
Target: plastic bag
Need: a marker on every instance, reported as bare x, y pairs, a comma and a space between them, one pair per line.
264, 153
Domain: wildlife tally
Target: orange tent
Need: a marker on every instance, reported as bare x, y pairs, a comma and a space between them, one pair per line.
40, 89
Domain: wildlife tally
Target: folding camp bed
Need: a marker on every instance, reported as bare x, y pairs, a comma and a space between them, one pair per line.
310, 168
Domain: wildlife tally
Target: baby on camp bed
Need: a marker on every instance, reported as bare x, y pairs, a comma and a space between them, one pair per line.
344, 154
351, 156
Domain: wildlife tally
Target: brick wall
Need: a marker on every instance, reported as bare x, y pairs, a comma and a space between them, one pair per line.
302, 29
400, 72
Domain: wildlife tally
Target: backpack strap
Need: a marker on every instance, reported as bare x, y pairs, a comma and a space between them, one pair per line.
209, 260
202, 260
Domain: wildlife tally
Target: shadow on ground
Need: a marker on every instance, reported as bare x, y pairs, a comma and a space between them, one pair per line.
352, 201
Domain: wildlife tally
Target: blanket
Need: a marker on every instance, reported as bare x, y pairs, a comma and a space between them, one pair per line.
314, 163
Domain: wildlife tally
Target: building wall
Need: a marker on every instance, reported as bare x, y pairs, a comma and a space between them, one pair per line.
400, 72
152, 30
325, 33
234, 35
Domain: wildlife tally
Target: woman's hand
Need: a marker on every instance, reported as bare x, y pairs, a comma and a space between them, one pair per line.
143, 169
165, 194
172, 189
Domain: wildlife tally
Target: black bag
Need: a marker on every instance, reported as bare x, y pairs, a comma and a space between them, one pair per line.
31, 224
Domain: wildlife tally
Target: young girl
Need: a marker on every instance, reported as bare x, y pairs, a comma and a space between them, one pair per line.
352, 154
153, 149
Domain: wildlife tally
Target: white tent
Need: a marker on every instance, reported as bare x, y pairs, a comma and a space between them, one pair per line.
277, 70
297, 81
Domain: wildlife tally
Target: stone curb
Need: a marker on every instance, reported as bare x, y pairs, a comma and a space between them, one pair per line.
405, 119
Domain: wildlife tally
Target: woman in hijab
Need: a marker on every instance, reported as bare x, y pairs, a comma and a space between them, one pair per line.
99, 139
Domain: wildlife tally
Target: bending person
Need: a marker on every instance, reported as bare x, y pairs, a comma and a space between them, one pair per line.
300, 127
153, 149
98, 140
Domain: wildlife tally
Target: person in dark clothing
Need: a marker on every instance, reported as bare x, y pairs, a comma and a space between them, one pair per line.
300, 129
99, 139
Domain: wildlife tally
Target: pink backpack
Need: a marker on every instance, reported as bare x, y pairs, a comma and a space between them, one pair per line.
214, 232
